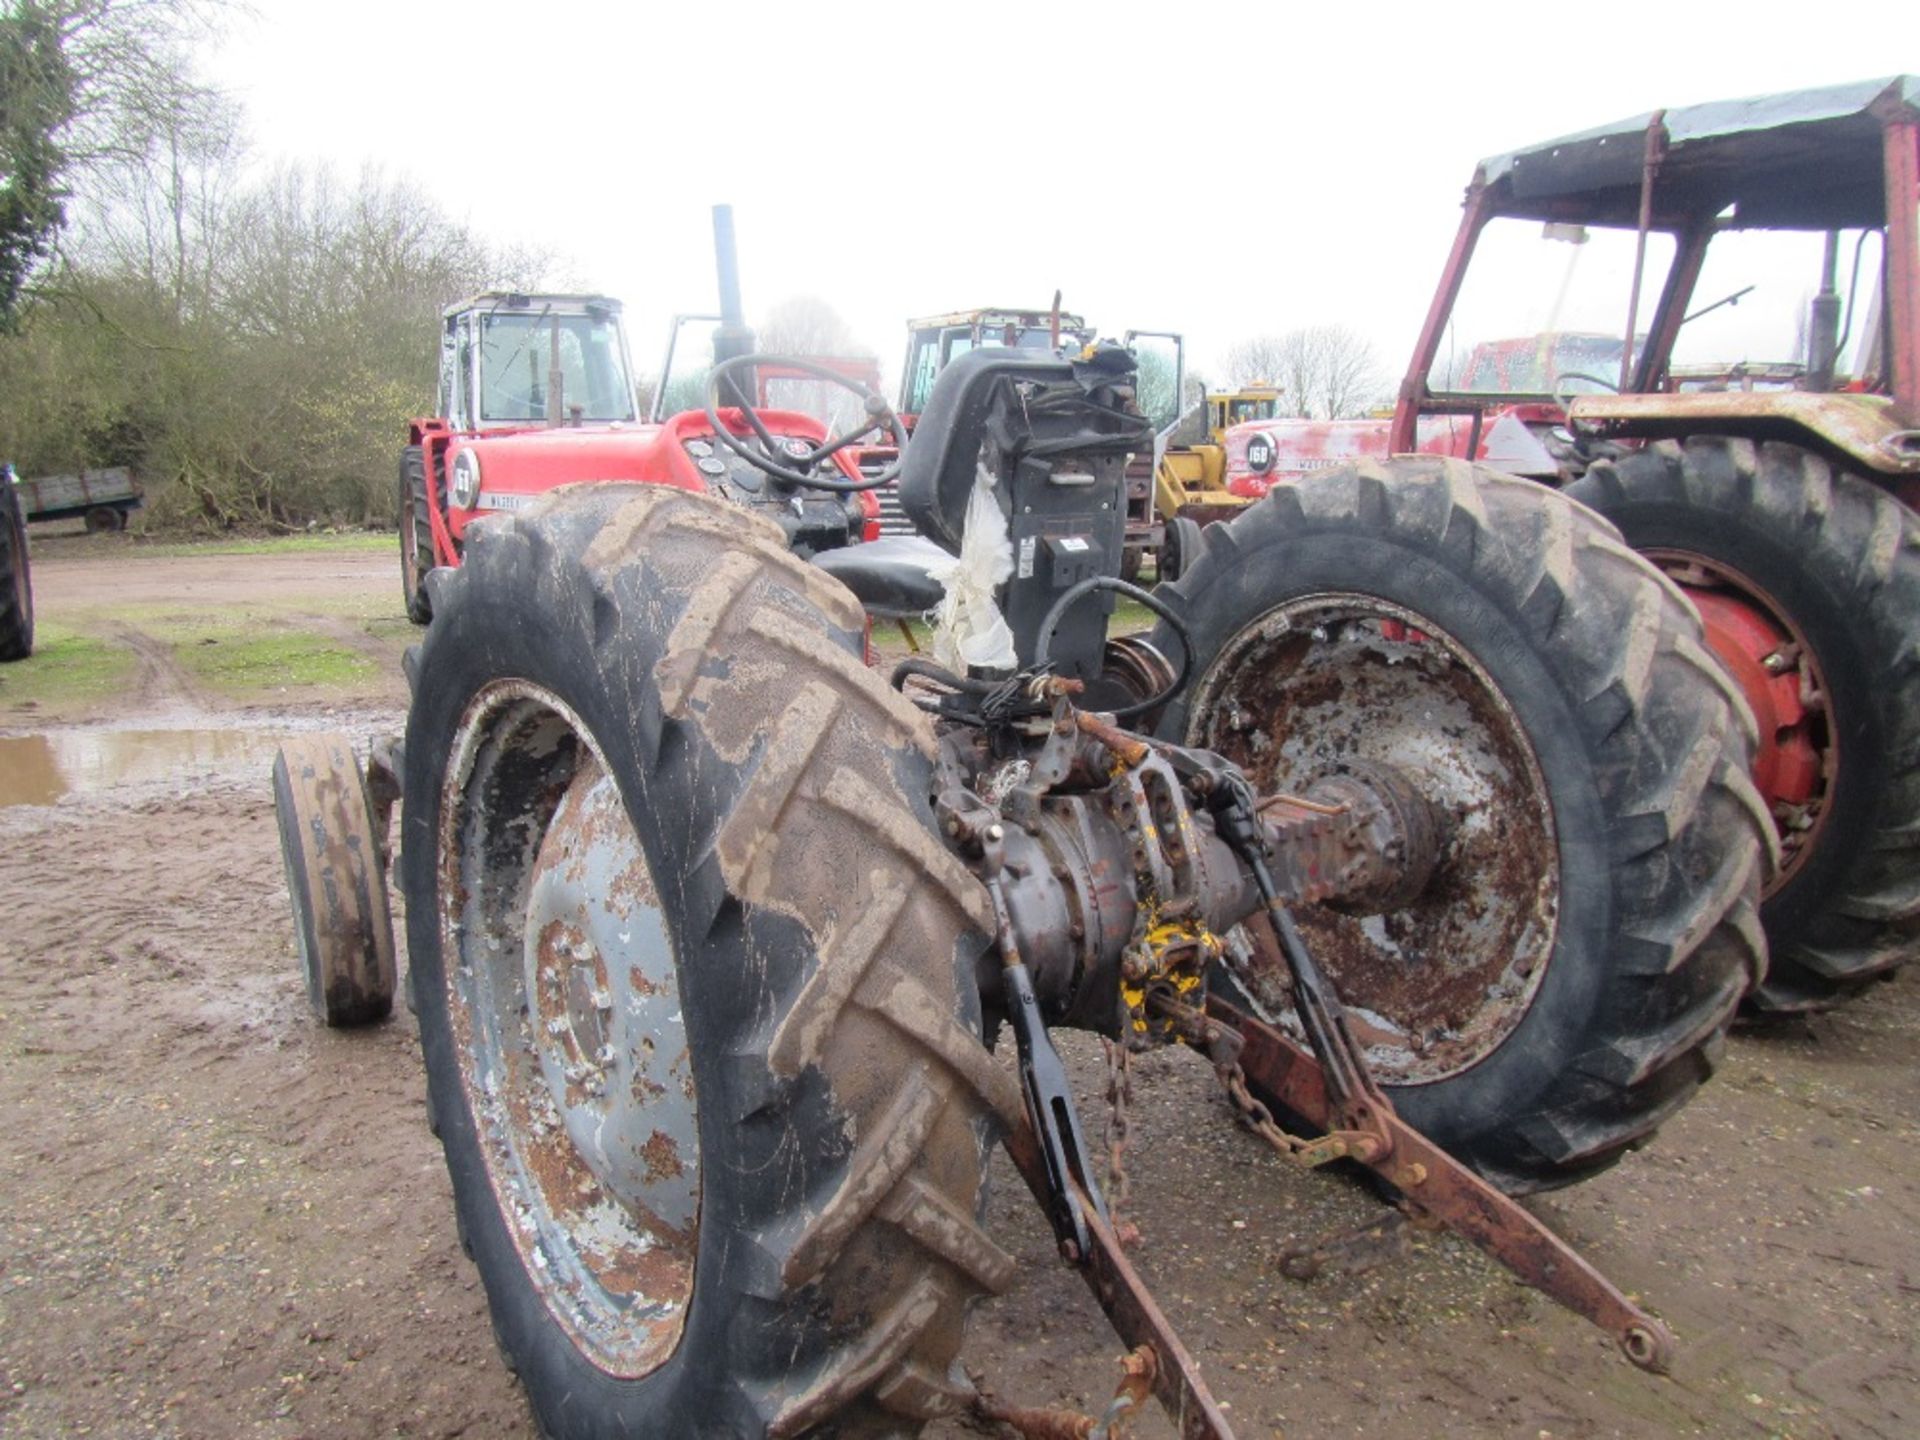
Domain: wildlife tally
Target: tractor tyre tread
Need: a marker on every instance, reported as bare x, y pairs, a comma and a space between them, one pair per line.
853, 1307
1685, 847
417, 563
1852, 552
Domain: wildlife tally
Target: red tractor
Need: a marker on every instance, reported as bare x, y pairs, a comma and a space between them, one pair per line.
1726, 364
536, 391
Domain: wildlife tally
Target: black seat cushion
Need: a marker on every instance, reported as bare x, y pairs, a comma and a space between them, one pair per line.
889, 575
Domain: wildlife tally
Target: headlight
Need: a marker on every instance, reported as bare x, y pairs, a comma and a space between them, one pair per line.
466, 479
1261, 453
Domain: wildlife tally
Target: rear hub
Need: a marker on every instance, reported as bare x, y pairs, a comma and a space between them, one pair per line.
1779, 676
1331, 693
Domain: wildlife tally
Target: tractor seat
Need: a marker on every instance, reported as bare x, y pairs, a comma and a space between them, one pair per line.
889, 575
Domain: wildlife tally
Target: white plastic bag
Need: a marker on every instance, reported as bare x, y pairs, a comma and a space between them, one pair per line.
969, 629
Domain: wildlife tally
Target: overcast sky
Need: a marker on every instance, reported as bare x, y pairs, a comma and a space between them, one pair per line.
1226, 170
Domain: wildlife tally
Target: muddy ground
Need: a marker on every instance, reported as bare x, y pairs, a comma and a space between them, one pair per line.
218, 1219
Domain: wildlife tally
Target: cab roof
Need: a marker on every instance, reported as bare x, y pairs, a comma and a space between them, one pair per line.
1809, 159
998, 315
535, 300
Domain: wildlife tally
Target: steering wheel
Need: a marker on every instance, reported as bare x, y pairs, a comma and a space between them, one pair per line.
801, 458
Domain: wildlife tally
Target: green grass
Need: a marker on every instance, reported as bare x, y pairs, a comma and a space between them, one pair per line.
350, 541
67, 667
270, 647
391, 627
266, 658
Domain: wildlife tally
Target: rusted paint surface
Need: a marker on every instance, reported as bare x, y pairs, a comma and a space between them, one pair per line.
1436, 1185
1901, 161
1864, 427
1036, 1424
1337, 684
1176, 1381
564, 996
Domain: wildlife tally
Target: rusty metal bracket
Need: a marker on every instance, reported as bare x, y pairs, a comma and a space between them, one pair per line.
1136, 1316
1137, 1370
1436, 1185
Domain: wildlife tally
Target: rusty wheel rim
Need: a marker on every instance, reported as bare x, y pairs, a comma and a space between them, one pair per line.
1335, 681
564, 998
1797, 825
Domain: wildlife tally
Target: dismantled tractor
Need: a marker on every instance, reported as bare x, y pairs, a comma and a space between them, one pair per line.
1423, 814
1724, 304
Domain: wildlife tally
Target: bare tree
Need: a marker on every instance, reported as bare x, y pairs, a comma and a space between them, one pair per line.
1326, 372
807, 325
276, 394
96, 96
36, 104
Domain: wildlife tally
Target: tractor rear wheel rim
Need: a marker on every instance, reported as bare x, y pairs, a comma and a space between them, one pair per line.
1798, 822
1330, 681
564, 996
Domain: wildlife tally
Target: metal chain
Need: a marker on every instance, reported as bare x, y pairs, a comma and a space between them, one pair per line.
1295, 1149
1256, 1116
1118, 1126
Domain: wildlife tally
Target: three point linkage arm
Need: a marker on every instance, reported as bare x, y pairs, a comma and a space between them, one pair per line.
1090, 805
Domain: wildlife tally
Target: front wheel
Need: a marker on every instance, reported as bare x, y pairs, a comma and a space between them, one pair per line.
1809, 580
336, 879
1563, 981
695, 981
416, 535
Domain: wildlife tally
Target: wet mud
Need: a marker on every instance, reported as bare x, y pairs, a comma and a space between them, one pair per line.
218, 1219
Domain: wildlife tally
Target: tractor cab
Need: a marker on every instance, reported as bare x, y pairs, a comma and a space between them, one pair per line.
510, 361
936, 341
1227, 408
1741, 262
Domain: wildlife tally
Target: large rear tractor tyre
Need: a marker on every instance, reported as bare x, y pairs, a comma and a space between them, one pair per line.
336, 880
1564, 980
416, 535
1809, 579
695, 981
16, 577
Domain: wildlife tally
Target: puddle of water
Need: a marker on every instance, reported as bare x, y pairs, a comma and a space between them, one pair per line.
39, 769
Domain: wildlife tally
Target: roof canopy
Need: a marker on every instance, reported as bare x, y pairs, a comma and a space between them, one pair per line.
517, 301
1811, 159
